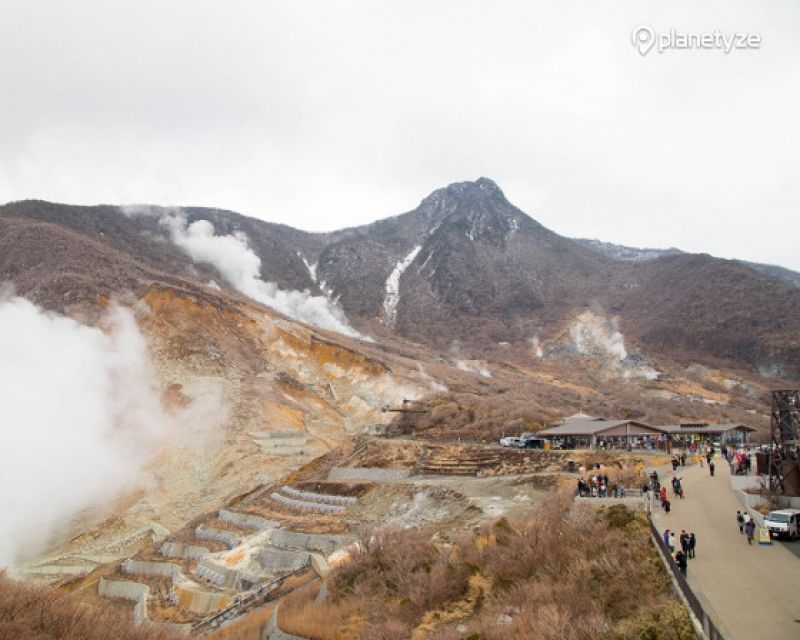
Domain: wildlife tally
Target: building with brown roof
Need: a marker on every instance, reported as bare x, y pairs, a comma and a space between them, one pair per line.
584, 430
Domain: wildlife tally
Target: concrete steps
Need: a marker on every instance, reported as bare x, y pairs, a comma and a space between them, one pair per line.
462, 461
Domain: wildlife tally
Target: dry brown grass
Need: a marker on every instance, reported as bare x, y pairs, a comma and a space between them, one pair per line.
38, 613
564, 573
300, 615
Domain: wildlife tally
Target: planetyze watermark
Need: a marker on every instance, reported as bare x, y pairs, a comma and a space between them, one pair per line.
645, 39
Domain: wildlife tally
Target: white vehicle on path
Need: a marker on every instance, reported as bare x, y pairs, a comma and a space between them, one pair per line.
783, 523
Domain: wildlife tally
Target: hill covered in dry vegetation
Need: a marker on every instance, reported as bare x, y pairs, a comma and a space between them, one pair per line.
564, 573
38, 613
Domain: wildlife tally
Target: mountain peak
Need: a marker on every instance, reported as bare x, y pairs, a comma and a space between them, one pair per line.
479, 197
485, 187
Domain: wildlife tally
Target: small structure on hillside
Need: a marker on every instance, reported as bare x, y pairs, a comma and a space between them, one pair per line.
407, 417
581, 430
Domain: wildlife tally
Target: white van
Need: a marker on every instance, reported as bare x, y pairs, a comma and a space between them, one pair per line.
783, 523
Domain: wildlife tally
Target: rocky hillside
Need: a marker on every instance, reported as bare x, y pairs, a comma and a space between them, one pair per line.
634, 254
464, 268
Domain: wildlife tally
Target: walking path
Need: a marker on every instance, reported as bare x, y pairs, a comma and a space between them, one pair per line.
749, 591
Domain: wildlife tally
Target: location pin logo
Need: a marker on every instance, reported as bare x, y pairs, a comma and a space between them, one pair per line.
643, 38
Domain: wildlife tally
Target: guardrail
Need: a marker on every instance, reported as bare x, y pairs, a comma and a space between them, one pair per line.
708, 627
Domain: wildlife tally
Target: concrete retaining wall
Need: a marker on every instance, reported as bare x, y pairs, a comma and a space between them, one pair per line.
320, 566
214, 573
58, 570
302, 505
246, 520
310, 496
180, 550
200, 601
228, 538
369, 474
325, 544
279, 562
145, 568
135, 591
750, 501
280, 434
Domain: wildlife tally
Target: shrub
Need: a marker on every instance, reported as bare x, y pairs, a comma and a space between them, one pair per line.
38, 613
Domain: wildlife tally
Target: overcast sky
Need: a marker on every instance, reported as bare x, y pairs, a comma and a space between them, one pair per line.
330, 114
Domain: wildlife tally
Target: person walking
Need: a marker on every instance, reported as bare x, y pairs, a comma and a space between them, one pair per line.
666, 538
740, 521
692, 544
711, 468
684, 540
680, 560
749, 529
667, 505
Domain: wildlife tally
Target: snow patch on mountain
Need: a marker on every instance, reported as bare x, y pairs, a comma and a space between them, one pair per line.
312, 268
393, 286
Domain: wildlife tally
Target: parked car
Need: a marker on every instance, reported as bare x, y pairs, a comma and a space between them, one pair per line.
783, 523
533, 443
511, 441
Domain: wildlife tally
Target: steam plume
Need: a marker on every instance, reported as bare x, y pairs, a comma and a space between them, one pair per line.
78, 420
241, 267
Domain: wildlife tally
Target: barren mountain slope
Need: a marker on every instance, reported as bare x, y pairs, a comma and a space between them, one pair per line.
264, 395
466, 266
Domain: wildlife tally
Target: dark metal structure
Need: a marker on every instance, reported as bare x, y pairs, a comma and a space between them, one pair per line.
784, 452
407, 421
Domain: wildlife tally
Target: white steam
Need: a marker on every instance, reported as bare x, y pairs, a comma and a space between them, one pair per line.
241, 267
473, 366
434, 385
594, 334
536, 347
79, 418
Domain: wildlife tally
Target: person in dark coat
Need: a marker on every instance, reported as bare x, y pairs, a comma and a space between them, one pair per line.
740, 521
684, 540
711, 468
749, 529
680, 560
692, 544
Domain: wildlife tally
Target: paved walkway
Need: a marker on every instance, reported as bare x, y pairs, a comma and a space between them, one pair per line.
749, 591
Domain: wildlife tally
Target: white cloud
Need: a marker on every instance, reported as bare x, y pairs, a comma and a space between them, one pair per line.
360, 112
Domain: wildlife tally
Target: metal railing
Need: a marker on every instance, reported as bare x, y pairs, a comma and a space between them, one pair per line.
709, 628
